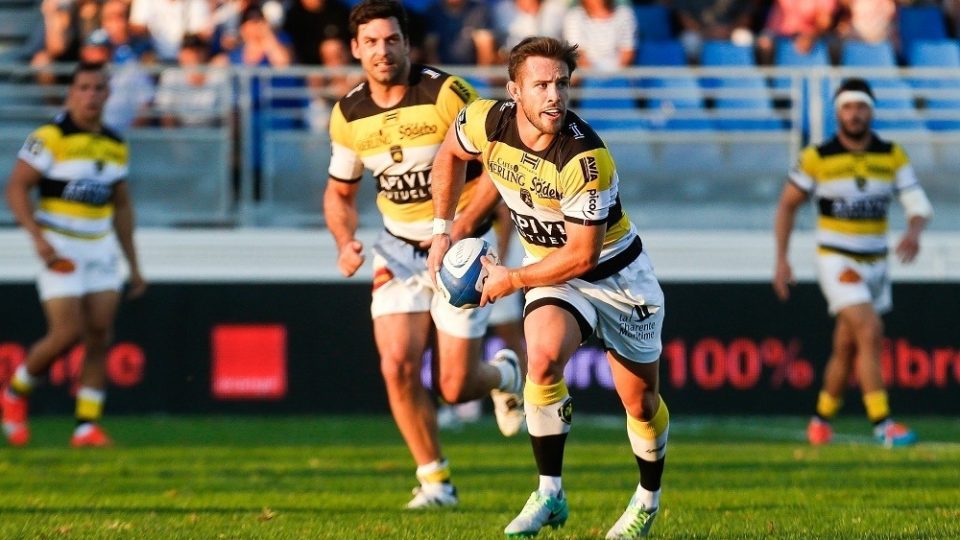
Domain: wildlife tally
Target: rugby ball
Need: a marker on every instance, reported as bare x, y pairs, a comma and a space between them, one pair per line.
462, 275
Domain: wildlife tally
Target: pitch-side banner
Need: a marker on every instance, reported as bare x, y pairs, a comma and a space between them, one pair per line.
308, 348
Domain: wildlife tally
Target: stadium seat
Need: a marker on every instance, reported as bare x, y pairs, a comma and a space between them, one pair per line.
661, 53
670, 95
751, 90
941, 93
917, 23
653, 23
859, 54
609, 104
786, 55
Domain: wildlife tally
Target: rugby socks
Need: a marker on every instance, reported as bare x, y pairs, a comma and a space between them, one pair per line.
22, 382
436, 473
878, 408
827, 406
649, 443
89, 405
507, 376
549, 410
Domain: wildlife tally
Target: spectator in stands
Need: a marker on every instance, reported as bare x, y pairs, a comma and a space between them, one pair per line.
870, 21
459, 32
131, 88
319, 31
167, 21
803, 21
514, 20
259, 44
66, 26
605, 31
728, 20
225, 20
115, 22
190, 95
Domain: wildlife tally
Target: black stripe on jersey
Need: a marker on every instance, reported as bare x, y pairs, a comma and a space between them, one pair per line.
834, 147
616, 263
856, 254
871, 208
68, 127
90, 193
575, 138
613, 216
424, 85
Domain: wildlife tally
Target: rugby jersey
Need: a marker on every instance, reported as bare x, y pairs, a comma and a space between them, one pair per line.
852, 193
574, 180
398, 145
79, 170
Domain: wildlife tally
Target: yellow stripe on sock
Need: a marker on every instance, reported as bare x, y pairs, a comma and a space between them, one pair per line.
88, 409
877, 405
435, 477
655, 427
827, 405
20, 386
546, 394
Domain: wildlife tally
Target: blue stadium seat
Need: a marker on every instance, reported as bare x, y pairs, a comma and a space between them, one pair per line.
724, 53
920, 23
859, 54
661, 53
596, 105
942, 54
653, 22
673, 95
787, 55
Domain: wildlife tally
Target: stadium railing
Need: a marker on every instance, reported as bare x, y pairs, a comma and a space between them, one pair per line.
695, 147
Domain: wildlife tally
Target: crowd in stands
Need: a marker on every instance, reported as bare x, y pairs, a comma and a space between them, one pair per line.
611, 34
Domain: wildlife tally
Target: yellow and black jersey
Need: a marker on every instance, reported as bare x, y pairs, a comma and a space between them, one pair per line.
79, 170
852, 192
574, 180
398, 146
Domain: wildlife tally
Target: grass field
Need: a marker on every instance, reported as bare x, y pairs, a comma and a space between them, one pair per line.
348, 477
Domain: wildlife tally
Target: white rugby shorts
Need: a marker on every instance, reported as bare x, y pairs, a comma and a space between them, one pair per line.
96, 262
847, 282
625, 310
402, 284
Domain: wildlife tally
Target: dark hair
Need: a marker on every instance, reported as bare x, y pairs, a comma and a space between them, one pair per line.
87, 67
250, 13
856, 85
545, 47
368, 10
193, 41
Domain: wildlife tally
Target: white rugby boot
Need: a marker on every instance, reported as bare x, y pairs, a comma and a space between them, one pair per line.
508, 403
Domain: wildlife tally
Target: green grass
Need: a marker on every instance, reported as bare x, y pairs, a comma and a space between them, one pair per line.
348, 477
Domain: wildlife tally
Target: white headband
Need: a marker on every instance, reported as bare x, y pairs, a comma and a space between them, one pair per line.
852, 96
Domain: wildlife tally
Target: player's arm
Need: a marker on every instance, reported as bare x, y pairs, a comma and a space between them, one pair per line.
446, 178
579, 255
790, 200
915, 204
340, 212
22, 180
482, 204
123, 223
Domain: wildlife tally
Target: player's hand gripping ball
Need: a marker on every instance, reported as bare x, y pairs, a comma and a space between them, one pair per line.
462, 275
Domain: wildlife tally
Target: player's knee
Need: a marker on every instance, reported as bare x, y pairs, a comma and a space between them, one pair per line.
64, 335
643, 406
544, 365
396, 369
453, 387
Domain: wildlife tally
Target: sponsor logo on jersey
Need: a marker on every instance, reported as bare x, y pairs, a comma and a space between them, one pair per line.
531, 162
539, 233
638, 328
507, 105
544, 190
593, 200
526, 198
396, 153
391, 117
577, 134
99, 165
871, 208
87, 191
861, 183
373, 140
430, 73
588, 165
508, 172
461, 90
411, 187
412, 131
33, 146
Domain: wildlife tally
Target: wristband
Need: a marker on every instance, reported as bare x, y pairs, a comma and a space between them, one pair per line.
442, 226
